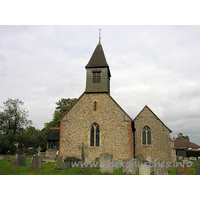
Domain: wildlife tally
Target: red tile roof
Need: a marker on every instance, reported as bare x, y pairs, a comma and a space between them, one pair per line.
182, 143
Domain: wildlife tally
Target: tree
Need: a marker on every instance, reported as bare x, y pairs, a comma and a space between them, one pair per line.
181, 136
14, 116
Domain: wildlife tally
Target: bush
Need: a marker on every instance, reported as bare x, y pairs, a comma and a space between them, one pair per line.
70, 159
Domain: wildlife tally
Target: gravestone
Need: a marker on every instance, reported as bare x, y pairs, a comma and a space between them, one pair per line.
197, 169
144, 168
97, 160
87, 161
16, 155
45, 160
158, 170
35, 162
21, 160
129, 166
105, 166
82, 147
14, 164
179, 158
182, 169
1, 157
64, 166
192, 158
39, 149
59, 159
139, 159
6, 158
148, 158
115, 165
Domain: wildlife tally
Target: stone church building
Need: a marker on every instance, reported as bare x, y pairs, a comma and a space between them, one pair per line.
98, 120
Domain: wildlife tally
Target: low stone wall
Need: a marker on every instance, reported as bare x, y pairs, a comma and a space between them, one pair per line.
51, 153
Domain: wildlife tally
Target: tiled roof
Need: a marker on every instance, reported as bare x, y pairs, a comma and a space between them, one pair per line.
53, 133
98, 59
182, 143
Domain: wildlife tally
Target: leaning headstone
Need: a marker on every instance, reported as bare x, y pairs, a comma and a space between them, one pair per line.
129, 166
64, 166
1, 157
14, 164
115, 165
87, 161
139, 158
182, 169
21, 160
105, 166
59, 159
159, 170
144, 168
6, 158
35, 162
197, 169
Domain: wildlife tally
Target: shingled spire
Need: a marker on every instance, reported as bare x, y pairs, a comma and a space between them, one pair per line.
98, 72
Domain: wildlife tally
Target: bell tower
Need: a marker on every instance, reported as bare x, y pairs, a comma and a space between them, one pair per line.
97, 72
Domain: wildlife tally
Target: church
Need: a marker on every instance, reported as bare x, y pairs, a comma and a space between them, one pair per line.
98, 121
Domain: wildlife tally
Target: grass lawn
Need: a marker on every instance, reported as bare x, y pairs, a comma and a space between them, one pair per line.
49, 169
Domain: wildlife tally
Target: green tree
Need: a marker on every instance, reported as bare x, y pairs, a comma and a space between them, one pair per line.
181, 136
14, 116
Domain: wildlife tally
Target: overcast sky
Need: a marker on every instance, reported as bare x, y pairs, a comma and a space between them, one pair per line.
157, 66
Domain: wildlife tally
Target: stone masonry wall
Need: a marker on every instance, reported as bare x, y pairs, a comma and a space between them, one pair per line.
161, 144
115, 130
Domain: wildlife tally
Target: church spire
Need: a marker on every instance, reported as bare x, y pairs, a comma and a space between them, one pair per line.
99, 36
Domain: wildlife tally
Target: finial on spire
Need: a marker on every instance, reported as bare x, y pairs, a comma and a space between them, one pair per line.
99, 36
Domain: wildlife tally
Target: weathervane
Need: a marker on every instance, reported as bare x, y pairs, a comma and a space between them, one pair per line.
99, 36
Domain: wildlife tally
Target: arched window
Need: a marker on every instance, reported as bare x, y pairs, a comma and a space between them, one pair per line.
95, 135
146, 136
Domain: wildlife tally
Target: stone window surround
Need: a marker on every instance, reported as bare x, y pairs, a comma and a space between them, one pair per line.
147, 145
94, 136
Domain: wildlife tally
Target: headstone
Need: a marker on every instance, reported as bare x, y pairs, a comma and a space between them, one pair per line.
59, 159
148, 158
115, 165
197, 169
139, 159
182, 169
35, 162
16, 155
158, 170
21, 160
87, 161
6, 158
39, 149
14, 164
97, 160
179, 158
82, 147
1, 157
130, 166
64, 166
144, 168
105, 166
192, 158
45, 160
